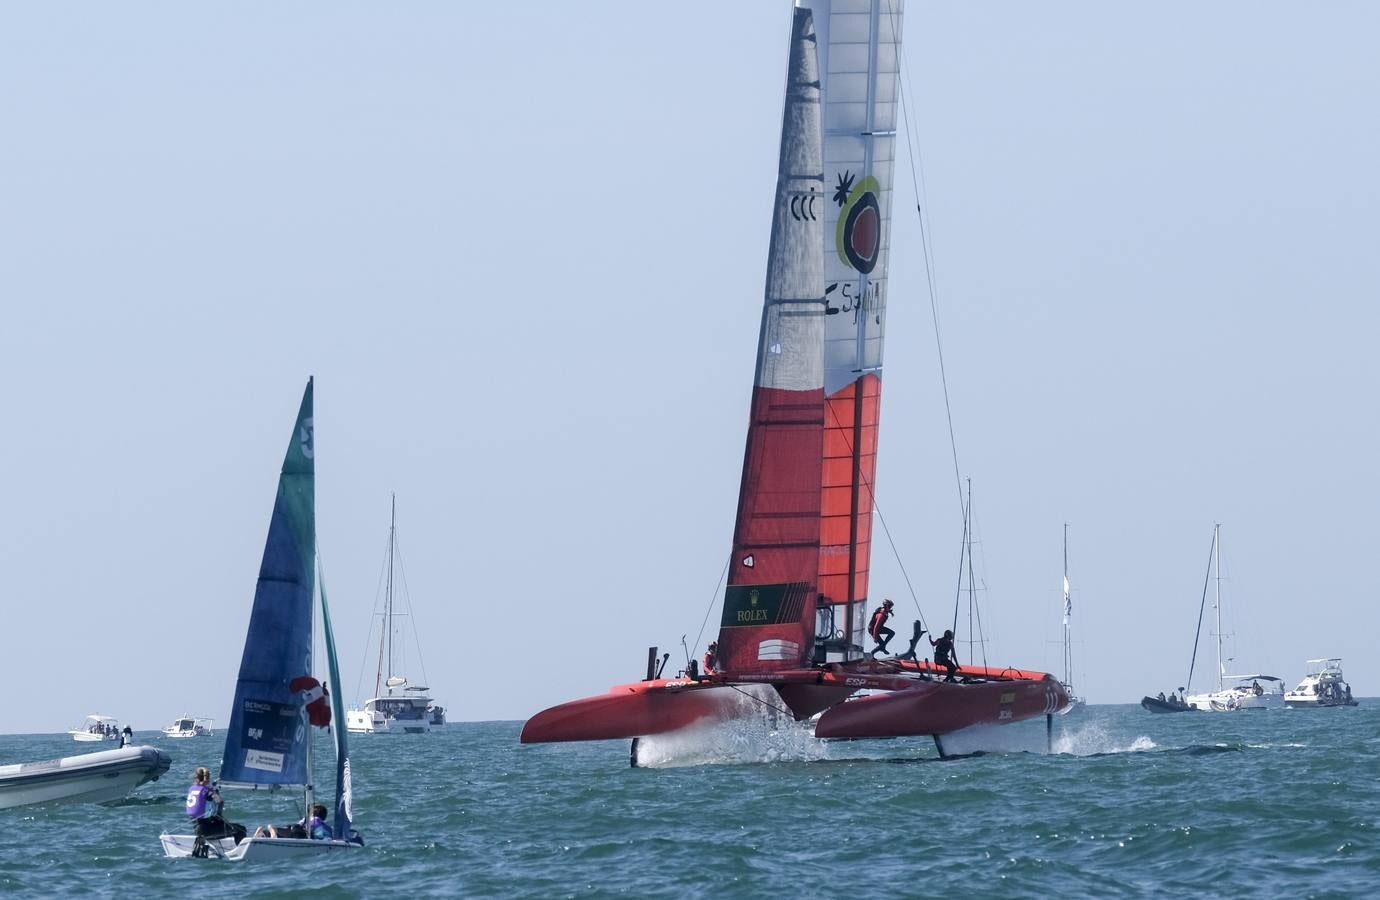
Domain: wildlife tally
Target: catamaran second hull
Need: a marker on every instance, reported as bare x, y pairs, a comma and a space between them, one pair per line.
938, 707
912, 702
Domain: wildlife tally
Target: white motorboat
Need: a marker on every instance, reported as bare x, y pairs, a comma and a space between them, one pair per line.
88, 778
96, 727
1322, 686
366, 721
189, 727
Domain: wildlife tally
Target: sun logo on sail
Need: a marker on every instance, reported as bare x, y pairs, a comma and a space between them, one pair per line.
858, 236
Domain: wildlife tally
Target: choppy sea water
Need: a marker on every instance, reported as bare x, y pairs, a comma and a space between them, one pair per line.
1276, 803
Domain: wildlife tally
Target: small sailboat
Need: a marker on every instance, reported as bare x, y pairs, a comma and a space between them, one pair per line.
189, 727
398, 706
797, 593
1074, 699
278, 700
96, 727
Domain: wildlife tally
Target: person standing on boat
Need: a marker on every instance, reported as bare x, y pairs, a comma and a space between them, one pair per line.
711, 658
944, 653
877, 627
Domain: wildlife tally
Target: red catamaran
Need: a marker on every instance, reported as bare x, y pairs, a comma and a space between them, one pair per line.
794, 608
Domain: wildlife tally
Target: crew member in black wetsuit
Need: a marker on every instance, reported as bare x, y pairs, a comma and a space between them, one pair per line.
944, 653
877, 627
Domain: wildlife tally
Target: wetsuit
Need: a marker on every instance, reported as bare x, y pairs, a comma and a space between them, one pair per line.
943, 655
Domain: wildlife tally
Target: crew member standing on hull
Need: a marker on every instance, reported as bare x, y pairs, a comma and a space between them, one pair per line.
877, 627
711, 658
944, 653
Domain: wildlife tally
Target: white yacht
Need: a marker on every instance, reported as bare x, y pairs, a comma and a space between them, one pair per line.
189, 727
96, 727
1074, 700
398, 706
1322, 686
1234, 692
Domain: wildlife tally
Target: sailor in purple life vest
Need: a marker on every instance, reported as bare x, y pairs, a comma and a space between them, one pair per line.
203, 800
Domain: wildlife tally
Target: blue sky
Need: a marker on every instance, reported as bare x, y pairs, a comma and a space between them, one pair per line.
522, 250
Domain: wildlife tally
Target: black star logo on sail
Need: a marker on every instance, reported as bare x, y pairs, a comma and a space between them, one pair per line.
844, 188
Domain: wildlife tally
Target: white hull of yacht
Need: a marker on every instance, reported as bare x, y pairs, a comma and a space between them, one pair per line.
262, 849
1235, 701
88, 778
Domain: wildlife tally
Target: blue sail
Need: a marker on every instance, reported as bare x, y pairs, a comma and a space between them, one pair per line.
266, 743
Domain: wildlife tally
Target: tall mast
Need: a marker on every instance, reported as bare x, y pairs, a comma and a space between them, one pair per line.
1068, 658
1217, 565
388, 604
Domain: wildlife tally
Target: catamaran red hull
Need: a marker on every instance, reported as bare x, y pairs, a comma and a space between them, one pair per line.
938, 707
632, 710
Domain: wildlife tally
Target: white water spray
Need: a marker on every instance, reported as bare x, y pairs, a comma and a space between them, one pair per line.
759, 733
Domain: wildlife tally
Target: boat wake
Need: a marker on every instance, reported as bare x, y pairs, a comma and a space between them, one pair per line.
1093, 740
762, 732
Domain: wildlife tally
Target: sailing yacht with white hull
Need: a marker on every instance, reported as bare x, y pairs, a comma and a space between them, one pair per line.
398, 706
1234, 692
798, 582
1074, 699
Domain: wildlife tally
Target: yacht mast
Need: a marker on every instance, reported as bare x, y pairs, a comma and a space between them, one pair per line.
388, 606
1068, 608
1217, 604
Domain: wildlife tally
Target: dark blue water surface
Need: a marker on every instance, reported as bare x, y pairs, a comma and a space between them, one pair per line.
1269, 803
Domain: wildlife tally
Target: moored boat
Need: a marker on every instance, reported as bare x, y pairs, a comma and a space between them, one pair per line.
190, 727
96, 727
1161, 704
1234, 692
1324, 685
398, 706
796, 599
